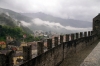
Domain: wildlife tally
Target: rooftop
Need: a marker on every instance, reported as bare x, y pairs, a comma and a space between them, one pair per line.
2, 43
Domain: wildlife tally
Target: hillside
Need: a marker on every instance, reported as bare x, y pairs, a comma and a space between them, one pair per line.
15, 15
7, 20
14, 32
64, 22
10, 27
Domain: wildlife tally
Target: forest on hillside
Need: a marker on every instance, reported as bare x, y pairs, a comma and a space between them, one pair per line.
15, 32
9, 27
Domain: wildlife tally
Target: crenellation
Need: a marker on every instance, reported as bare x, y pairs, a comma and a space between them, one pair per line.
77, 35
54, 56
81, 34
49, 44
89, 33
72, 37
27, 53
56, 41
67, 37
61, 38
85, 34
40, 48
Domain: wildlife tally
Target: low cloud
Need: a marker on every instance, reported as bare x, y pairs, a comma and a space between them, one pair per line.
7, 14
78, 29
40, 22
25, 23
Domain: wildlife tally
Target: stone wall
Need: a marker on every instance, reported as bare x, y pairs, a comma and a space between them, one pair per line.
54, 56
96, 25
6, 59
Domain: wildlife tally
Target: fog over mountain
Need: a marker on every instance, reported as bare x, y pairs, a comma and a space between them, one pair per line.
65, 22
55, 23
41, 21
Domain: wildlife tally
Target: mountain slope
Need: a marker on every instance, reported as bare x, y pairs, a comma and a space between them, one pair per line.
15, 15
7, 20
65, 22
29, 18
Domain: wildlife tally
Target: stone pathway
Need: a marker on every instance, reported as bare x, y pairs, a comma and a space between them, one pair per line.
78, 58
93, 59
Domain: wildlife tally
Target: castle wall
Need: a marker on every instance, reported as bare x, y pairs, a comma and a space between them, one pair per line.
54, 56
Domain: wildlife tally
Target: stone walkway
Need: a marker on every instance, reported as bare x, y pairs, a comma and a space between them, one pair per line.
78, 58
93, 59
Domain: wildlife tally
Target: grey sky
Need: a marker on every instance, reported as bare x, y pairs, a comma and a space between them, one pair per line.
76, 9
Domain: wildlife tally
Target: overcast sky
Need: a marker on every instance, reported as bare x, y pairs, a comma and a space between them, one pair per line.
75, 9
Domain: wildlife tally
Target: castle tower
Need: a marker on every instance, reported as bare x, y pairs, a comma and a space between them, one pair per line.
96, 25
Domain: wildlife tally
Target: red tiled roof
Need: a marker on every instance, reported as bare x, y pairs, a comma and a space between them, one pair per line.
2, 43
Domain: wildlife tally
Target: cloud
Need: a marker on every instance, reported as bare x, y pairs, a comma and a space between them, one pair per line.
78, 29
25, 23
75, 9
7, 14
40, 22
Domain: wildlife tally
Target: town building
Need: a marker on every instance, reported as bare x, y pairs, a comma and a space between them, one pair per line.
2, 45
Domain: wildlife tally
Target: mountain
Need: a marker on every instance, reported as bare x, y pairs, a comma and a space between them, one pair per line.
7, 20
59, 24
15, 15
65, 22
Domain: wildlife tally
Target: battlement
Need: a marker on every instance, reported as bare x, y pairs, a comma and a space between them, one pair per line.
55, 55
96, 25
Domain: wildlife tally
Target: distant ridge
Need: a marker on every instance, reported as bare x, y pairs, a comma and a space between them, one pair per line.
29, 17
